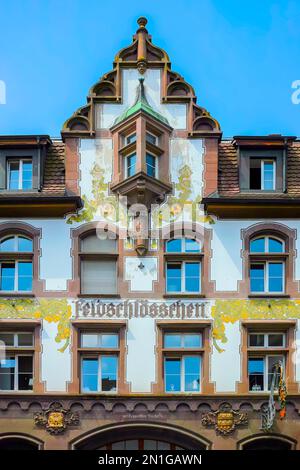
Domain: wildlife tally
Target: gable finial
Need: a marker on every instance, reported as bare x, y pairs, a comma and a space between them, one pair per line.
142, 35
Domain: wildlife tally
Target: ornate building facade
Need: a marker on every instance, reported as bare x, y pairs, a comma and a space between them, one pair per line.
149, 275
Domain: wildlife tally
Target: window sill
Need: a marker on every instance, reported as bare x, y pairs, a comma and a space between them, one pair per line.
184, 296
16, 294
269, 296
99, 296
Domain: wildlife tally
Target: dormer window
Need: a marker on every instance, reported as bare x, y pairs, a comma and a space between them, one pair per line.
261, 170
262, 174
19, 174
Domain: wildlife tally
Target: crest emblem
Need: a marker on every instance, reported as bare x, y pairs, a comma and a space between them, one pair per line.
225, 419
55, 419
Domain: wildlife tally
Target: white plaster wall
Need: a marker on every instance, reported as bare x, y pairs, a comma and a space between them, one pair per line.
55, 245
141, 339
107, 113
226, 263
94, 151
141, 280
226, 366
56, 365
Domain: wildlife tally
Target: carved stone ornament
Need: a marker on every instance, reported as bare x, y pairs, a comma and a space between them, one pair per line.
55, 419
225, 419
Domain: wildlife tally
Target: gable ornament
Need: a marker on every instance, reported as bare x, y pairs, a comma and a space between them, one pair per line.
56, 419
225, 419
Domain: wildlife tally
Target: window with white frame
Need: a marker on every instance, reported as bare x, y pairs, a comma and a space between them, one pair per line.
151, 138
267, 275
99, 361
16, 267
182, 362
130, 165
16, 368
151, 165
130, 139
264, 354
19, 174
262, 174
183, 275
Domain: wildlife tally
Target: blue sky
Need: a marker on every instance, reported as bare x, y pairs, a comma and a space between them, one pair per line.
241, 57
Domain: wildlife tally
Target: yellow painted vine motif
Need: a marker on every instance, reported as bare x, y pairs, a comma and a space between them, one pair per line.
231, 311
53, 310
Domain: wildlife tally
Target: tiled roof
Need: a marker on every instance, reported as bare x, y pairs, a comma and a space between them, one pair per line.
54, 174
228, 178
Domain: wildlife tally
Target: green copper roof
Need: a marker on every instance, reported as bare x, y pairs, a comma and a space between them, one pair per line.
141, 104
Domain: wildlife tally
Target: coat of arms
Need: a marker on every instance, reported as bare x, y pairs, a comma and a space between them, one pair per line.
55, 419
225, 419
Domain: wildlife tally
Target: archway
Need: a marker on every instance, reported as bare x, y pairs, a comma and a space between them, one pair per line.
267, 442
140, 436
19, 442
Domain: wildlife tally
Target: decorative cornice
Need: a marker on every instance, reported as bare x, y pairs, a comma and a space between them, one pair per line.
142, 54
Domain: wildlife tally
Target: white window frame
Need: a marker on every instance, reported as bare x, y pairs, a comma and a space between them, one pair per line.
266, 339
182, 335
266, 368
99, 377
128, 137
126, 164
16, 373
262, 174
266, 277
15, 334
183, 263
156, 164
182, 373
16, 279
152, 135
267, 242
20, 161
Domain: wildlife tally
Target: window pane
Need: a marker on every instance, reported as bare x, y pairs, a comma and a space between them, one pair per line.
272, 361
275, 246
275, 277
131, 163
25, 339
268, 175
131, 138
109, 341
173, 277
172, 374
174, 246
109, 371
25, 276
151, 165
191, 246
152, 139
89, 340
8, 244
192, 277
172, 341
8, 276
89, 375
27, 175
192, 374
257, 245
98, 277
24, 244
275, 340
255, 173
257, 275
7, 370
256, 374
7, 338
94, 244
192, 341
25, 375
256, 340
13, 181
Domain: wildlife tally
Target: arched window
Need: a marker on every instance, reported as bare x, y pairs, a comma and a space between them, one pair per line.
16, 255
98, 267
183, 266
267, 265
